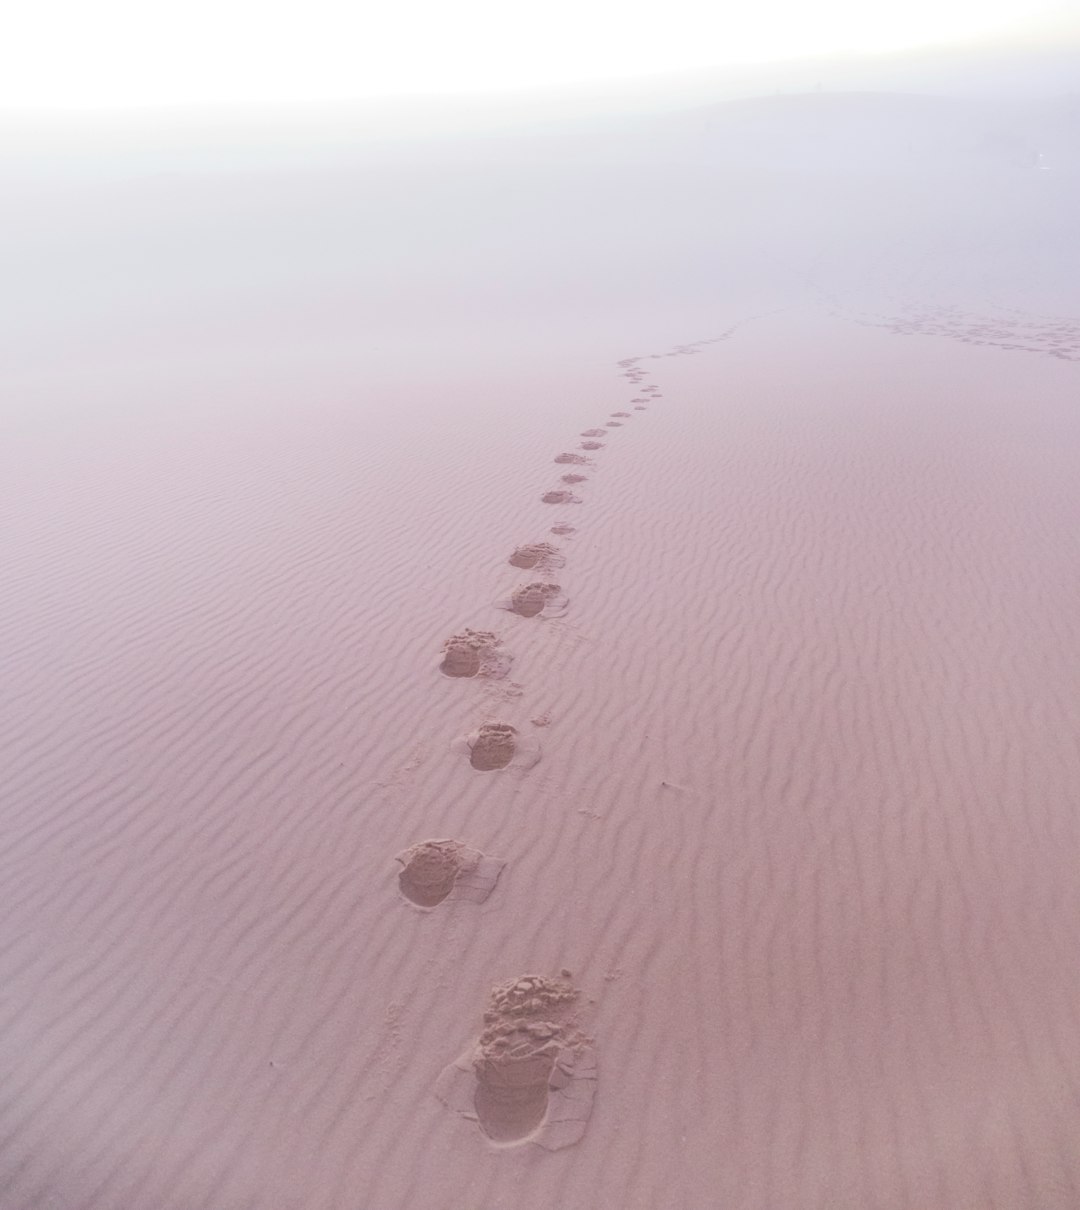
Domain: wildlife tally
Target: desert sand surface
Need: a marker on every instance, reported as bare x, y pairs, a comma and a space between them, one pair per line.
389, 820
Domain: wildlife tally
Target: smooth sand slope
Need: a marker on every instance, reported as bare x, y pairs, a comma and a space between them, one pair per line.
795, 869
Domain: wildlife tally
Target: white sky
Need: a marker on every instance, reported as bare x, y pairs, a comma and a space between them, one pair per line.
94, 53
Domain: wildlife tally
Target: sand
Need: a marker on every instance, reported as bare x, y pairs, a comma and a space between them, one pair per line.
771, 799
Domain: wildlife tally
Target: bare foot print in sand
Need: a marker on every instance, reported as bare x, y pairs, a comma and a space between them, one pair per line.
623, 414
537, 554
531, 1075
593, 433
562, 529
573, 478
640, 407
577, 459
434, 870
614, 424
537, 599
592, 445
559, 496
474, 653
495, 746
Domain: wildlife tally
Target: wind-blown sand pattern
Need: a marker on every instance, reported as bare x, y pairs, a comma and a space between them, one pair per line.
475, 653
434, 871
805, 827
531, 1077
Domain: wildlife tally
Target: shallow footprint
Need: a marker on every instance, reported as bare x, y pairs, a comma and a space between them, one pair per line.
592, 445
624, 414
531, 1075
474, 653
573, 478
435, 870
559, 496
538, 599
537, 554
578, 459
494, 746
563, 529
614, 424
593, 433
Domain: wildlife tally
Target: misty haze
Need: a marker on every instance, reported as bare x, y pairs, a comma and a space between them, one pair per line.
540, 647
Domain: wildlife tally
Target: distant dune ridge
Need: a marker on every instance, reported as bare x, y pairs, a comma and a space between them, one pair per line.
766, 761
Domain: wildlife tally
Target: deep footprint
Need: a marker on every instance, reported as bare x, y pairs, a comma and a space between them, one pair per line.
435, 870
530, 600
536, 554
531, 1076
474, 653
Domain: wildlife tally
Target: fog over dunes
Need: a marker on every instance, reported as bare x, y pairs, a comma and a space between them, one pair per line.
541, 658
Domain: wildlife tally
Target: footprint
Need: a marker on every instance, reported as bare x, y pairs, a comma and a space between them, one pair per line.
562, 528
531, 1075
574, 478
577, 459
435, 870
620, 413
474, 653
537, 554
614, 424
592, 445
495, 746
535, 600
593, 433
640, 407
559, 496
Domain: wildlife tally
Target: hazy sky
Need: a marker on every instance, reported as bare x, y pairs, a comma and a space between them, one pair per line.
90, 53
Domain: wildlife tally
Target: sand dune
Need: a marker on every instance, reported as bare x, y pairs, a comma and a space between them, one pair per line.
747, 811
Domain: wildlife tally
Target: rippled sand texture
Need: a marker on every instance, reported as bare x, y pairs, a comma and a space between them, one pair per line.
804, 828
337, 727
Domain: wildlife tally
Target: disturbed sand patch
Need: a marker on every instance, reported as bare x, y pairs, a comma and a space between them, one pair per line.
537, 599
436, 870
474, 653
493, 746
537, 555
531, 1076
